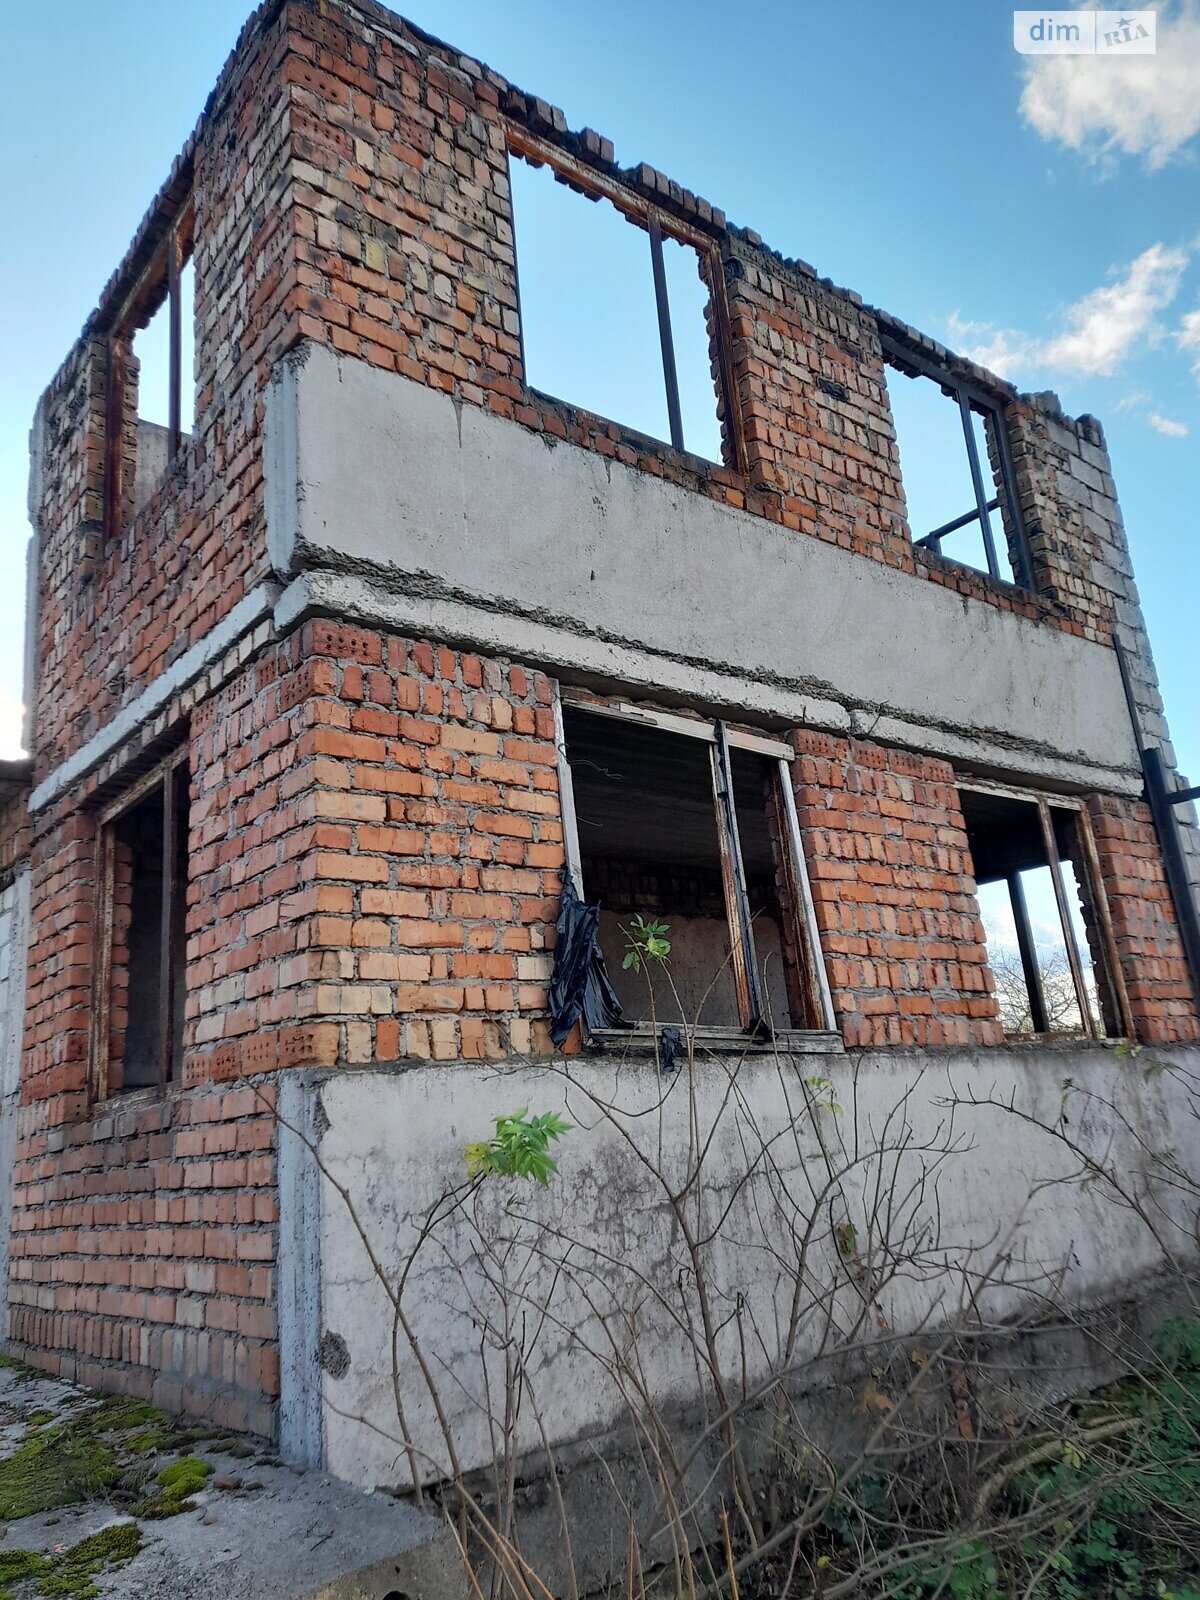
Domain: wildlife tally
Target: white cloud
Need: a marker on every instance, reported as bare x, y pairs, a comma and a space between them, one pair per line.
1166, 425
1188, 338
1145, 106
1099, 331
11, 720
1000, 933
1003, 350
1103, 327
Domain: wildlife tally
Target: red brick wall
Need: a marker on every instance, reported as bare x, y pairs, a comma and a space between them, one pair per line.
58, 995
144, 1228
359, 806
118, 607
1072, 522
255, 838
405, 259
142, 1251
376, 854
434, 885
122, 918
808, 375
15, 834
894, 896
1147, 936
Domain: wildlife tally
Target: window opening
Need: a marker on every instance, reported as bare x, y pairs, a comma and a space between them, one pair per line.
150, 377
956, 469
692, 830
1045, 922
615, 314
140, 988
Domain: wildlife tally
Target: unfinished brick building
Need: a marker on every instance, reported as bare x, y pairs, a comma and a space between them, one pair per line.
331, 692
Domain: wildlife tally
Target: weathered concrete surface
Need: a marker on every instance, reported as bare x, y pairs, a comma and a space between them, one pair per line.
395, 1140
299, 1537
14, 951
281, 1534
438, 517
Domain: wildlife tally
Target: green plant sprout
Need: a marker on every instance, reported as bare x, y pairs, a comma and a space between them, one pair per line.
822, 1092
519, 1148
646, 942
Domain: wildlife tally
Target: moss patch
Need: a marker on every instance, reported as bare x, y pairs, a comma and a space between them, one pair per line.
114, 1449
56, 1464
71, 1574
16, 1566
176, 1486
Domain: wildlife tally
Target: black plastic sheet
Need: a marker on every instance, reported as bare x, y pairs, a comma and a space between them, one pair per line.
580, 985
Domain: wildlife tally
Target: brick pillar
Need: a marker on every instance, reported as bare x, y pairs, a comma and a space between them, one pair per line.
894, 894
1081, 558
809, 383
1148, 943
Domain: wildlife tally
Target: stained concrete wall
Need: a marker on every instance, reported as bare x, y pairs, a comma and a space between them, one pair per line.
389, 501
14, 945
395, 1142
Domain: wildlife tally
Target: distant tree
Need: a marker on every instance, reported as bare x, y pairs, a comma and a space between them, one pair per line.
1058, 989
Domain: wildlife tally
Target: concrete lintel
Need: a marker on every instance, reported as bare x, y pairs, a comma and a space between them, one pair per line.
251, 609
602, 663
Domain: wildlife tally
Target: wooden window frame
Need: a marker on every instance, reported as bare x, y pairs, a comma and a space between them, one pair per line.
1092, 1020
167, 774
721, 738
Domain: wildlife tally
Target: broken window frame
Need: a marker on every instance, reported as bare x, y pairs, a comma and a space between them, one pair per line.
168, 775
973, 397
814, 995
158, 283
1108, 967
593, 185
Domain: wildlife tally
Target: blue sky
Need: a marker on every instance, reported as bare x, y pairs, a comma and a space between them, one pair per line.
1045, 218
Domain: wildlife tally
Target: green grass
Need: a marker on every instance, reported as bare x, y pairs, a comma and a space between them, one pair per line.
1106, 1508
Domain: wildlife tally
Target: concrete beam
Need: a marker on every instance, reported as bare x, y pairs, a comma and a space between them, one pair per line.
232, 628
407, 508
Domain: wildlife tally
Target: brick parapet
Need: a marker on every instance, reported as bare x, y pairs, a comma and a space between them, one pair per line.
119, 605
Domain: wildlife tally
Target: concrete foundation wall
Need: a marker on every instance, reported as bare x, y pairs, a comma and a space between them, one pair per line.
395, 1142
430, 514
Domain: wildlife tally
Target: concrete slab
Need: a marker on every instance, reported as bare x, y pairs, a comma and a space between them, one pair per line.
290, 1534
260, 1531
